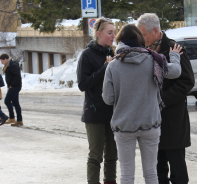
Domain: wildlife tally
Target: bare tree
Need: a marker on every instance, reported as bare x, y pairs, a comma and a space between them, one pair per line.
9, 20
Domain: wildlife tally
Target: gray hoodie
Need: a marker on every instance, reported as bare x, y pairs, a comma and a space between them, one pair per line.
130, 87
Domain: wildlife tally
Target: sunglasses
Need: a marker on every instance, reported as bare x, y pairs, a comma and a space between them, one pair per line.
103, 20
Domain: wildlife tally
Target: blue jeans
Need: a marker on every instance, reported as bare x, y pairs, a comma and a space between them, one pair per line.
1, 113
12, 97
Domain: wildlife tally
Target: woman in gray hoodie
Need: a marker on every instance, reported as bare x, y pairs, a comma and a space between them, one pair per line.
131, 84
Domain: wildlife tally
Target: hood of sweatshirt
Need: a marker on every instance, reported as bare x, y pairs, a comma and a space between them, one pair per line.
132, 57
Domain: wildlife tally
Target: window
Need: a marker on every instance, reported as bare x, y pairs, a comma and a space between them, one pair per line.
191, 48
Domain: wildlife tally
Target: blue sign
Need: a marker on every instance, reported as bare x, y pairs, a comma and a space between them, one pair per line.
89, 4
89, 8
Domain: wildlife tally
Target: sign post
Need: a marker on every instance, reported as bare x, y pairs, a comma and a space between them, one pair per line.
90, 26
89, 8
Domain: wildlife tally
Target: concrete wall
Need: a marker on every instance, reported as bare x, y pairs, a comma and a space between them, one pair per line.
35, 62
48, 44
45, 58
56, 60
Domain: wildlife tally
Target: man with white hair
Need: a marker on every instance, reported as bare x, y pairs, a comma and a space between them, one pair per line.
175, 126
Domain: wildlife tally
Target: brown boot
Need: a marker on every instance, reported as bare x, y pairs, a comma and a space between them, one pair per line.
10, 121
17, 123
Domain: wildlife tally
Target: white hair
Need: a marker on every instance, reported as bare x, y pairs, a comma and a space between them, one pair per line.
150, 21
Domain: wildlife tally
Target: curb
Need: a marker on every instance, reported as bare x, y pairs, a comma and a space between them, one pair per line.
49, 92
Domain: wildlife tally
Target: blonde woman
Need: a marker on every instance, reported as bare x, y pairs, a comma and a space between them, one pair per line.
96, 114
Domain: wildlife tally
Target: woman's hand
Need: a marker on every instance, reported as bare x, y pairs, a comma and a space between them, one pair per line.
108, 59
176, 49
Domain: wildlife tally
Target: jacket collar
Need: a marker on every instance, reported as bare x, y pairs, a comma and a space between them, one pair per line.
164, 44
100, 49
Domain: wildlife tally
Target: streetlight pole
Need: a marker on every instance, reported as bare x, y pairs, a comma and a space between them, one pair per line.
99, 7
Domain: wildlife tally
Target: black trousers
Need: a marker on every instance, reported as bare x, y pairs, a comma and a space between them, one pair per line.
12, 98
178, 167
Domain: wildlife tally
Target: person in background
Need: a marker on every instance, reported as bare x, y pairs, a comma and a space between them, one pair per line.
13, 79
2, 115
175, 126
131, 84
96, 114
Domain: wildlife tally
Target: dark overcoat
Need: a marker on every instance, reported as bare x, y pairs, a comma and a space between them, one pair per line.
175, 126
1, 81
13, 74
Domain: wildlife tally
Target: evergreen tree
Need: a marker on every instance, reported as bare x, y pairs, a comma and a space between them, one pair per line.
46, 14
50, 13
120, 9
167, 10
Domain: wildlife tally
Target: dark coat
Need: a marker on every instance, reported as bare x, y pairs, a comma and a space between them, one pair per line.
90, 75
13, 74
1, 81
175, 126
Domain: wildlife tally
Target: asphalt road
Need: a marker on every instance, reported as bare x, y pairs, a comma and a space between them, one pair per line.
53, 127
70, 108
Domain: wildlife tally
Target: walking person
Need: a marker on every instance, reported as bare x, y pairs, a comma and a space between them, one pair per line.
175, 126
2, 115
13, 79
96, 114
131, 84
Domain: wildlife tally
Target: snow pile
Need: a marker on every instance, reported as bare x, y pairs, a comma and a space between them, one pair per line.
26, 25
29, 80
182, 32
70, 22
63, 76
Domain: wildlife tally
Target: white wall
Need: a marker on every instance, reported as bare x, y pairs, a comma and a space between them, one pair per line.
34, 62
45, 61
56, 59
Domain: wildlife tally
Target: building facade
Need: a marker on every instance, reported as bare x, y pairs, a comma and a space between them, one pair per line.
190, 9
43, 51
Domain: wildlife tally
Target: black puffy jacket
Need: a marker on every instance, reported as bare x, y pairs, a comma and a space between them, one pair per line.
13, 74
90, 75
